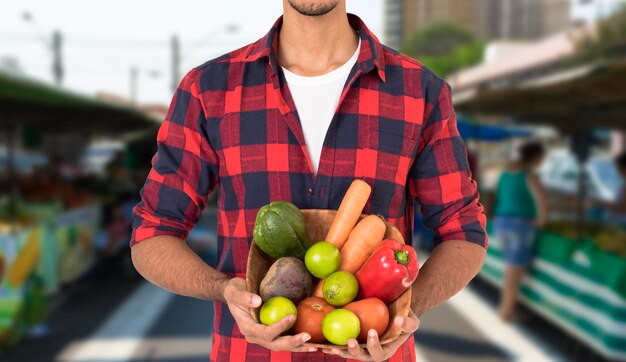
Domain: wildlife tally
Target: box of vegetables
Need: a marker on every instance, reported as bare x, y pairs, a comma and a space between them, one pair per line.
341, 273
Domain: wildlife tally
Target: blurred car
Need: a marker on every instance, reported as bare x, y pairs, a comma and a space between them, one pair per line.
560, 172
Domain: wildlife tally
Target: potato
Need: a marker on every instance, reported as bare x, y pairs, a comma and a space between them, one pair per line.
288, 278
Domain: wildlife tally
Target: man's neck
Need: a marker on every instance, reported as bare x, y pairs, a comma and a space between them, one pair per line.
315, 45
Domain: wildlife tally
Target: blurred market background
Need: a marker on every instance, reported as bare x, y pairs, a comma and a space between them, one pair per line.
84, 86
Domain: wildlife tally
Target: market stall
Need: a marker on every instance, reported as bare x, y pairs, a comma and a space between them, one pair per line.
578, 277
48, 225
574, 284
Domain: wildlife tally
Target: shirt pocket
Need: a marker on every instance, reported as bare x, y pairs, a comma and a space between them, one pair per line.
384, 163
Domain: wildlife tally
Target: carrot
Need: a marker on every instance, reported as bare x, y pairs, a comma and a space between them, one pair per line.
364, 238
318, 292
349, 212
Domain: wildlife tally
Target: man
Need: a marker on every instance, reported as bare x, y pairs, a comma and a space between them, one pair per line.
297, 116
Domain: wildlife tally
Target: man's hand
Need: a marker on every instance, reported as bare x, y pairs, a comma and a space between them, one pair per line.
376, 352
240, 302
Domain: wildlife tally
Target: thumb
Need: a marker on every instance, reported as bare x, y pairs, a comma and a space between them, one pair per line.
236, 293
408, 324
246, 299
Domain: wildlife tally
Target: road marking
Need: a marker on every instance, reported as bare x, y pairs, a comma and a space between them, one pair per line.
125, 328
482, 317
137, 348
419, 354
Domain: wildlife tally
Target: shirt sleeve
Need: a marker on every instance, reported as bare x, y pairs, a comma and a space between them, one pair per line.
440, 178
184, 169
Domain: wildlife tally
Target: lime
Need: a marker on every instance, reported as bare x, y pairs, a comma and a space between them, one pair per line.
340, 288
340, 325
322, 259
276, 309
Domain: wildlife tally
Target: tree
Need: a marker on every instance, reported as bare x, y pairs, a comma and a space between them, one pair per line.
609, 41
445, 48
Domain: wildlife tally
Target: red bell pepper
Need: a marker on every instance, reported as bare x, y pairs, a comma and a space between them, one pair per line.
388, 272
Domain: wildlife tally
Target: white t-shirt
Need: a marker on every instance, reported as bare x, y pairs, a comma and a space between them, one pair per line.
316, 100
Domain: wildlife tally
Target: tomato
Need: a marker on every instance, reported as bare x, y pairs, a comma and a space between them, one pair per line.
311, 311
372, 313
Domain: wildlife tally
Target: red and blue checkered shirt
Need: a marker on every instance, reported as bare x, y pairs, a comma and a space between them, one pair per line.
233, 124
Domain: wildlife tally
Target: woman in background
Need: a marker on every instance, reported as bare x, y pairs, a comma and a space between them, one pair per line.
521, 208
618, 209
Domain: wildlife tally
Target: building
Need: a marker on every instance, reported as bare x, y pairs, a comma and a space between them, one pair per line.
428, 12
532, 19
394, 33
405, 17
488, 19
557, 16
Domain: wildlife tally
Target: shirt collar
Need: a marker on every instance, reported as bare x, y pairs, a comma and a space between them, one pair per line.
370, 56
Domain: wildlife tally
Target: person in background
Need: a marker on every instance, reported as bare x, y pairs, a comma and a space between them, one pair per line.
521, 207
618, 209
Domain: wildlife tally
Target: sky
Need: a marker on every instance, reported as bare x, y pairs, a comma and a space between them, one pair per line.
589, 10
103, 40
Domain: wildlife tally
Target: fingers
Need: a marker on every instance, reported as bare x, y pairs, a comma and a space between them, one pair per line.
390, 348
355, 351
273, 331
304, 349
289, 343
240, 302
339, 352
373, 346
408, 324
243, 298
268, 337
235, 292
374, 352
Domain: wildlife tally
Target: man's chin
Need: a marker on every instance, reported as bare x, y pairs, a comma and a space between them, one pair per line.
312, 8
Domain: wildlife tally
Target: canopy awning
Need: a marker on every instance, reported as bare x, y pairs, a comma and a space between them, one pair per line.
488, 132
51, 109
581, 97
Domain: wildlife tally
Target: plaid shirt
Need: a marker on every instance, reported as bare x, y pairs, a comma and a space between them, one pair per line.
233, 124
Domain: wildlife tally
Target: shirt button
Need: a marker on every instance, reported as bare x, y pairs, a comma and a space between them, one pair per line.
309, 191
